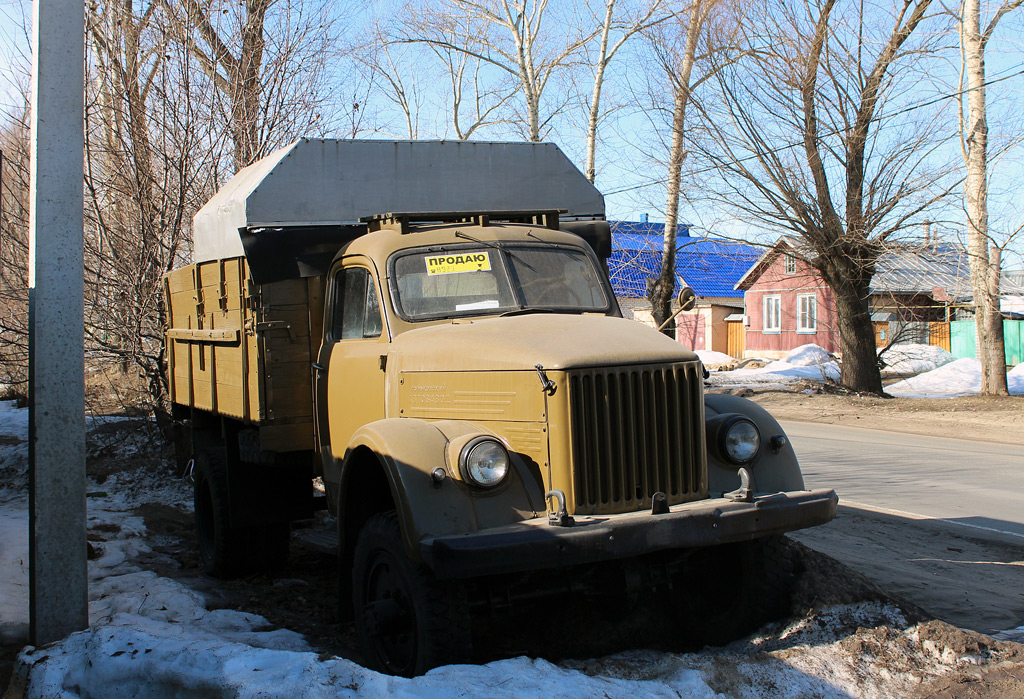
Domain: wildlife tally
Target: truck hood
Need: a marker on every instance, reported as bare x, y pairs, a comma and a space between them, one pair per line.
554, 341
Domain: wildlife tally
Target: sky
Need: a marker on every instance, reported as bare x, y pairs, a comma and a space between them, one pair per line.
633, 182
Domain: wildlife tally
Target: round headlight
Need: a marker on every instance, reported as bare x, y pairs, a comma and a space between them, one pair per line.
484, 462
740, 441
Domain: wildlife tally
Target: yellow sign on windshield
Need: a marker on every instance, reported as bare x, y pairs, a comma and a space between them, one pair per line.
463, 262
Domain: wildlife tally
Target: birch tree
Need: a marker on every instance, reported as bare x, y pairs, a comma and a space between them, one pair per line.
983, 251
615, 30
677, 67
517, 37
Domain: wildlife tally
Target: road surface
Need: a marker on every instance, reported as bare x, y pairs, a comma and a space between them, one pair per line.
937, 521
970, 484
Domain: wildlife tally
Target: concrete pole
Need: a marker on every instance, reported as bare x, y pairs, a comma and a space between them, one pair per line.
58, 579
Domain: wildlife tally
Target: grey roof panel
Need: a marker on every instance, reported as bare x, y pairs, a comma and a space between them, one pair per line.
314, 182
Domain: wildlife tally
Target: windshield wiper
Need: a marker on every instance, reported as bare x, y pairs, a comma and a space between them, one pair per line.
525, 310
495, 245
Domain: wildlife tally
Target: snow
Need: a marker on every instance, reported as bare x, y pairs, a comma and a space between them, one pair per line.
808, 355
807, 362
712, 357
914, 359
961, 377
14, 572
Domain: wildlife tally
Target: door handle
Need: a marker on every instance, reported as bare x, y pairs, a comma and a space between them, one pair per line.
319, 367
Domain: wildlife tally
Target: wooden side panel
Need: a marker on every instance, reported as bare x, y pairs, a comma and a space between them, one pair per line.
244, 351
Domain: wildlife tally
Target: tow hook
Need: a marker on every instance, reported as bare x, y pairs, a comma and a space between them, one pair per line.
659, 503
743, 493
561, 518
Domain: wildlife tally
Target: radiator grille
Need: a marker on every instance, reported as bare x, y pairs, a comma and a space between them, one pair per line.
636, 431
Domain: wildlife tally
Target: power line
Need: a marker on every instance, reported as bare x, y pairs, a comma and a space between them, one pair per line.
834, 132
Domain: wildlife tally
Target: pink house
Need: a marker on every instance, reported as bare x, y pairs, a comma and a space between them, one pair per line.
787, 305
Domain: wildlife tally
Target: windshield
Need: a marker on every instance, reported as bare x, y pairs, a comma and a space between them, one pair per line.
486, 280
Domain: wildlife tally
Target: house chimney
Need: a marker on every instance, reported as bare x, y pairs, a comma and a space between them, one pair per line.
928, 233
643, 218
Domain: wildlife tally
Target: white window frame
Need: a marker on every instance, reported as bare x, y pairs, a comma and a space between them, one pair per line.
790, 264
771, 316
807, 315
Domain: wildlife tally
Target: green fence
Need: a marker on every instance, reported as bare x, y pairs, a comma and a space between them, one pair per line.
962, 340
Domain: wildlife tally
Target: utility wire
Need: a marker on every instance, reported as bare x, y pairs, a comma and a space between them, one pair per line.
834, 132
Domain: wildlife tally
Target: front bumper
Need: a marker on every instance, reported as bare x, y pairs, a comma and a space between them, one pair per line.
535, 544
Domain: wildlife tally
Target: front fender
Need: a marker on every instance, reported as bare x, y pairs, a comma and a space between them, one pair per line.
770, 472
408, 450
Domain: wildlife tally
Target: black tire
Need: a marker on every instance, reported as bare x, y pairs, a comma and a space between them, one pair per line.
407, 622
222, 548
226, 551
735, 589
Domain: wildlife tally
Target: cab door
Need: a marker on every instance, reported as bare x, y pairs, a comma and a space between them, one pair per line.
350, 368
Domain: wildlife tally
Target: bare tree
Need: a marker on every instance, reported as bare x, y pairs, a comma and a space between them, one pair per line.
677, 66
510, 35
14, 201
148, 166
268, 61
477, 91
797, 145
615, 30
392, 69
984, 253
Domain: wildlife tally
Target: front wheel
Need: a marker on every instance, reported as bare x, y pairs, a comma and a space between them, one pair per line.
730, 591
407, 622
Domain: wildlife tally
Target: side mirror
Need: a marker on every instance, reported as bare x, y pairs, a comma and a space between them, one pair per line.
686, 299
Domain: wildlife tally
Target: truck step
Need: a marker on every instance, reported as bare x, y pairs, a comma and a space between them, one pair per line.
321, 537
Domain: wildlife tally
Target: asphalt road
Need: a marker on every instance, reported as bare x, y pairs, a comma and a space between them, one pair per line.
976, 485
938, 522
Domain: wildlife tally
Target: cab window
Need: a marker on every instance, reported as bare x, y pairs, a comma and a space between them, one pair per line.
356, 306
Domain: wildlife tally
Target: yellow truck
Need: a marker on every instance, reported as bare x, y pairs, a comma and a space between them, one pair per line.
428, 327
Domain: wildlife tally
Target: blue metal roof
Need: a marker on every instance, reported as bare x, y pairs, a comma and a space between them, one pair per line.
710, 267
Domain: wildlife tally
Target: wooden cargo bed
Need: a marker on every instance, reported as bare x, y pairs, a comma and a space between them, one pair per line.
242, 350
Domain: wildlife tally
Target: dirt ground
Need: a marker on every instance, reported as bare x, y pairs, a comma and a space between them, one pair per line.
988, 419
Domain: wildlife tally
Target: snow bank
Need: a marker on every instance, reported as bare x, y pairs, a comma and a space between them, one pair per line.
805, 363
13, 447
808, 355
14, 573
713, 357
914, 359
171, 646
961, 377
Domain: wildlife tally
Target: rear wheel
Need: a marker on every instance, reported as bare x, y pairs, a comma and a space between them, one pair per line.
228, 551
407, 622
222, 548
